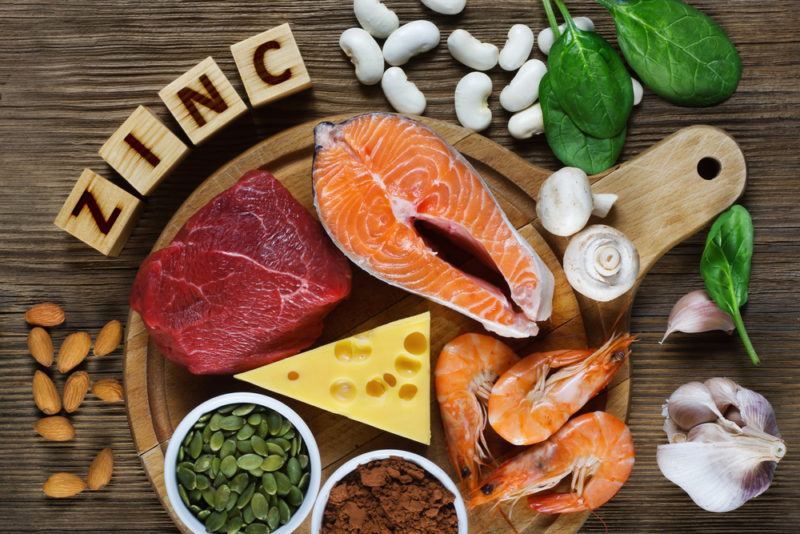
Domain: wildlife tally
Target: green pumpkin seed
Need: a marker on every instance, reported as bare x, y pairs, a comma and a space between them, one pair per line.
257, 528
283, 483
205, 417
209, 496
249, 461
254, 419
245, 432
216, 440
263, 428
207, 434
294, 471
303, 459
243, 409
244, 498
239, 483
269, 484
285, 444
273, 500
274, 448
231, 422
215, 464
228, 408
260, 506
216, 521
181, 454
219, 480
196, 445
258, 445
295, 446
194, 509
275, 421
283, 511
286, 426
195, 495
273, 517
202, 482
273, 462
223, 494
247, 515
214, 423
257, 472
184, 496
186, 477
232, 502
228, 466
244, 447
290, 434
228, 448
202, 464
295, 496
303, 484
188, 438
234, 525
202, 514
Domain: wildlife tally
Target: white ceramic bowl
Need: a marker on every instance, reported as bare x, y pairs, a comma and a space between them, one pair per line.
349, 466
170, 460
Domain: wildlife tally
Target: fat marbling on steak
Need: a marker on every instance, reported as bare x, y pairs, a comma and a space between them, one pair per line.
247, 281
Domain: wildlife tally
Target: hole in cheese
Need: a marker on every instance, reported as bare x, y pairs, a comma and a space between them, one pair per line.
344, 350
375, 388
343, 390
390, 379
406, 366
293, 375
362, 350
408, 391
416, 343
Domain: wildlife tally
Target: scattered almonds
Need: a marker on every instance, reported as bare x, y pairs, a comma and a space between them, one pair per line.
45, 314
108, 390
73, 351
40, 345
62, 485
108, 339
100, 470
75, 389
55, 428
45, 394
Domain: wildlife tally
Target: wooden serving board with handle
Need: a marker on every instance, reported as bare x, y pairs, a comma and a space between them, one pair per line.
662, 201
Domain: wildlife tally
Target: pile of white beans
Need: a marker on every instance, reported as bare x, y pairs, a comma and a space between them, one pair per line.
473, 90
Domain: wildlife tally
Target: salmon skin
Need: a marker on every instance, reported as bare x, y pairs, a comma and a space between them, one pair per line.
376, 174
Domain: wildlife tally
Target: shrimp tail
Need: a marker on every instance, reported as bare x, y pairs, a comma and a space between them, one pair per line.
557, 503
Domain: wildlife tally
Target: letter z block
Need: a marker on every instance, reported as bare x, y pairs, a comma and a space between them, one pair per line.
99, 213
202, 100
270, 65
143, 150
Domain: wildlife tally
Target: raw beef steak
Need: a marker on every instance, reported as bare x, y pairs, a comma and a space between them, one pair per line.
246, 281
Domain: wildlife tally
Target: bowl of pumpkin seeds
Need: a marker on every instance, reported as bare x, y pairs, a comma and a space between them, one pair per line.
242, 463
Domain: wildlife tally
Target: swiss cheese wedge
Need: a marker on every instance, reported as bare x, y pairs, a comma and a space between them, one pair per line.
380, 377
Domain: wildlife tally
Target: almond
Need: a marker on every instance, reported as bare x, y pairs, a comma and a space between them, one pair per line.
55, 428
108, 339
62, 485
73, 351
45, 394
100, 470
40, 344
75, 390
108, 389
45, 314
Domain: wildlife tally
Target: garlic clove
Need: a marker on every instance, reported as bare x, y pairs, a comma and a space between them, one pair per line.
756, 412
692, 404
695, 312
674, 433
723, 391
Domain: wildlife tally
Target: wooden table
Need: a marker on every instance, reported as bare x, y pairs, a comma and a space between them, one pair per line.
71, 72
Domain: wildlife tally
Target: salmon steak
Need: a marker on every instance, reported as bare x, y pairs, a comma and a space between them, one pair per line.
378, 176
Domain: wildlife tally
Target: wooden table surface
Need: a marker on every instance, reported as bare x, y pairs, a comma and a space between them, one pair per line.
71, 72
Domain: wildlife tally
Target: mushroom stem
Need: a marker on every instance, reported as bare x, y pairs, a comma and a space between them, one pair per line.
602, 203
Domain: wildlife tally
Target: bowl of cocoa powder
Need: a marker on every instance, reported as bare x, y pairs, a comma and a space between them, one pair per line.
389, 491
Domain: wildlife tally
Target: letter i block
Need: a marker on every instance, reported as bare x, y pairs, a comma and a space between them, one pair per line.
143, 150
99, 213
270, 65
202, 100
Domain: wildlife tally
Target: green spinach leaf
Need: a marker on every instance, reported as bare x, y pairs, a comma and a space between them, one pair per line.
678, 52
725, 266
570, 145
590, 79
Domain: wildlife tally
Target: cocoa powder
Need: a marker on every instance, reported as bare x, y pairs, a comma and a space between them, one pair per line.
389, 496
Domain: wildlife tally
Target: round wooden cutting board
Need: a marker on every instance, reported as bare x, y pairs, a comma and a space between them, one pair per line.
663, 199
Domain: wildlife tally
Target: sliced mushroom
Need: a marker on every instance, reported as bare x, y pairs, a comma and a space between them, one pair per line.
566, 202
601, 263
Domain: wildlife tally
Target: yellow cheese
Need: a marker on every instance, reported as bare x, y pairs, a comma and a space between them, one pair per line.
380, 377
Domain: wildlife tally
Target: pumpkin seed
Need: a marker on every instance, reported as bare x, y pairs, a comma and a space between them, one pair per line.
214, 423
275, 421
249, 461
258, 445
207, 434
184, 496
181, 454
205, 417
247, 515
274, 448
223, 493
228, 466
245, 432
283, 483
295, 446
303, 459
216, 521
284, 443
195, 509
290, 434
273, 500
244, 447
286, 426
294, 471
239, 483
228, 448
257, 472
234, 525
188, 438
273, 462
260, 507
202, 464
273, 517
195, 495
283, 511
232, 502
231, 422
303, 484
244, 498
269, 484
263, 428
209, 496
295, 496
228, 408
186, 477
202, 514
202, 482
254, 419
215, 464
219, 480
196, 445
257, 528
216, 440
243, 409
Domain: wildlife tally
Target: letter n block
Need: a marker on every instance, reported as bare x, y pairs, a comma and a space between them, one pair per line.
99, 213
202, 100
143, 150
270, 65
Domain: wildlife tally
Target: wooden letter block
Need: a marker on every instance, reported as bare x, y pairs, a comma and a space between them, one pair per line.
143, 150
202, 101
270, 65
99, 213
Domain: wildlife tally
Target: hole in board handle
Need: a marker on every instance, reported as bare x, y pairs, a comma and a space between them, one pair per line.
708, 168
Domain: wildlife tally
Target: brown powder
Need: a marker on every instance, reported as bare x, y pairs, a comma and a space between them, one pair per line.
389, 496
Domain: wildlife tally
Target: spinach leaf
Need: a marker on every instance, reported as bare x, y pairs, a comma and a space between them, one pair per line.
590, 79
725, 266
570, 145
677, 51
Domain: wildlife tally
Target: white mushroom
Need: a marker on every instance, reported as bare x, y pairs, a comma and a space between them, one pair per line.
566, 202
471, 52
402, 94
446, 7
601, 263
365, 53
472, 101
545, 39
517, 48
523, 90
375, 17
409, 40
527, 123
638, 91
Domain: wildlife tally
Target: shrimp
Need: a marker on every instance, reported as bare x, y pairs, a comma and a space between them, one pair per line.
596, 448
527, 406
467, 367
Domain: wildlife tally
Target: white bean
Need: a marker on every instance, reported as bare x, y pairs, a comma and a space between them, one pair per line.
471, 100
365, 53
446, 7
546, 38
375, 17
471, 52
402, 94
527, 123
517, 48
409, 40
638, 91
523, 90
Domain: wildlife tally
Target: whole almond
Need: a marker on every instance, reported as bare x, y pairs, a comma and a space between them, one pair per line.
100, 470
45, 314
108, 390
108, 339
45, 394
63, 485
75, 389
40, 344
55, 428
73, 351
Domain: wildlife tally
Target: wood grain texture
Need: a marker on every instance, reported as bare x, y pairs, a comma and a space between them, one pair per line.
71, 72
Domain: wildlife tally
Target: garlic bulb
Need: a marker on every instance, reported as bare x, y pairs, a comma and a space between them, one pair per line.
720, 461
695, 312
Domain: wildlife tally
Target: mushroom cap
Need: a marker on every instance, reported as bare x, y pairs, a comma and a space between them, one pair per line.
601, 263
565, 202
